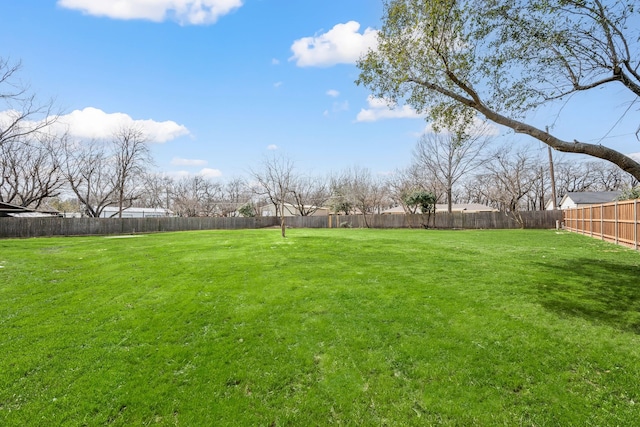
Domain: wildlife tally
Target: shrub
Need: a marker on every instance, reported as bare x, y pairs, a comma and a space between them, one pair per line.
630, 194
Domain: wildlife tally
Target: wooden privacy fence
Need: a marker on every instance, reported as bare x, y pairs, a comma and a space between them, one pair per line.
445, 220
41, 227
617, 222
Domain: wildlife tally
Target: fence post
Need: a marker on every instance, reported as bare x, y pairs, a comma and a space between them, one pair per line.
591, 221
616, 222
635, 224
602, 222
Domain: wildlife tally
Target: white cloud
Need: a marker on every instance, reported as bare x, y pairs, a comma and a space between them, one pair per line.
635, 156
177, 161
337, 108
94, 123
205, 173
277, 84
196, 12
380, 109
275, 61
210, 173
333, 93
343, 44
272, 147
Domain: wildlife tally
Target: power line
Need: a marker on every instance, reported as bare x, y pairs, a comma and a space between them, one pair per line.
610, 137
618, 121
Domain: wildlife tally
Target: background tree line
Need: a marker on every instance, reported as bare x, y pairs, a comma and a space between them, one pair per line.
503, 177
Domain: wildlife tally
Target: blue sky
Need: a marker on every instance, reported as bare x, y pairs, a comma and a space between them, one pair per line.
218, 88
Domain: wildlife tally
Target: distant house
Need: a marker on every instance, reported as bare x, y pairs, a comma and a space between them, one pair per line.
10, 210
291, 210
455, 207
587, 198
549, 206
466, 208
112, 212
397, 210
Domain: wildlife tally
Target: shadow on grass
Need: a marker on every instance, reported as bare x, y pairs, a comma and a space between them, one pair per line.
600, 291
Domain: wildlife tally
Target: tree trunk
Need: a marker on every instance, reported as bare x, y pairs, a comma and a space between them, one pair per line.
282, 224
120, 203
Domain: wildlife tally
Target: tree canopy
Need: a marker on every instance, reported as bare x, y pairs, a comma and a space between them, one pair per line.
453, 59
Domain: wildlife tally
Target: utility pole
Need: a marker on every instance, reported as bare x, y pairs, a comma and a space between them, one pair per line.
553, 177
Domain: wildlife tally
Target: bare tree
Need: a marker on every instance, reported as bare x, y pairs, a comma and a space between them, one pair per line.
608, 177
572, 176
540, 188
30, 169
131, 158
66, 205
510, 180
22, 116
89, 170
357, 189
235, 194
401, 183
158, 191
449, 156
508, 177
309, 194
29, 162
340, 200
196, 196
274, 181
212, 200
411, 179
186, 193
576, 176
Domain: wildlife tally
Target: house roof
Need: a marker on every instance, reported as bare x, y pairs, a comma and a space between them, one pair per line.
549, 204
394, 210
136, 210
30, 214
8, 209
290, 205
467, 207
591, 197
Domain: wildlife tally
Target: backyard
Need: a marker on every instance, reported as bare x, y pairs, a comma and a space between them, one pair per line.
325, 327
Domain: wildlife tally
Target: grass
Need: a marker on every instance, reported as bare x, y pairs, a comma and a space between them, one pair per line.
327, 327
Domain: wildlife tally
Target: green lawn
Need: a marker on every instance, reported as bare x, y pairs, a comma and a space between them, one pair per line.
326, 327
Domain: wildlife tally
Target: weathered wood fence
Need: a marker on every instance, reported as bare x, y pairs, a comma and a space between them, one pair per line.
445, 220
617, 222
41, 227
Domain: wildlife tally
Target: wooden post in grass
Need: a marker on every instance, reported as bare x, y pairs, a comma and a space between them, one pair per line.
282, 224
